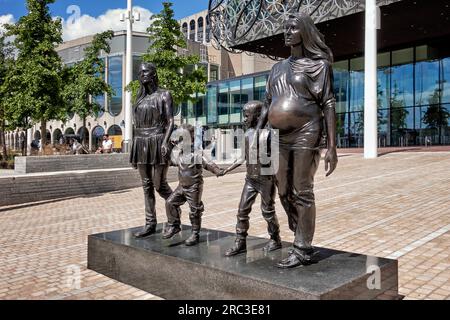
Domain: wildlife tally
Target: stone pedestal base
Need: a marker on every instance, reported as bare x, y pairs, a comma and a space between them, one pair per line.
169, 269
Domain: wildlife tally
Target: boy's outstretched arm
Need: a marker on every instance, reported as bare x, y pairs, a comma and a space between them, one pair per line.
212, 167
236, 164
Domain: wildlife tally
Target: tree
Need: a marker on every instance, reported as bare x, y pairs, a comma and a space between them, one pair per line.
83, 80
5, 65
166, 38
34, 85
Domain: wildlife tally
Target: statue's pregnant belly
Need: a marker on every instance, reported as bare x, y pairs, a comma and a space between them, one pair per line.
288, 114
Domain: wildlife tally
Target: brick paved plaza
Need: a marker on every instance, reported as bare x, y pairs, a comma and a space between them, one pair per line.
397, 206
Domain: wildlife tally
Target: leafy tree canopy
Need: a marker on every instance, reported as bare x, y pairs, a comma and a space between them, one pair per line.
6, 61
34, 83
5, 64
166, 40
83, 80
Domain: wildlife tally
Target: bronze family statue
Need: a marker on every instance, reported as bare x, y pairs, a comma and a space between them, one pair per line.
299, 110
150, 151
190, 163
151, 154
255, 183
300, 105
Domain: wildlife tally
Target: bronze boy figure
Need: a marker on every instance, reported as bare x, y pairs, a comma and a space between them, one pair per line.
255, 183
299, 99
190, 164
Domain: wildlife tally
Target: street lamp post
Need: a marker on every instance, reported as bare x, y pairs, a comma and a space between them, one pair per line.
130, 19
29, 139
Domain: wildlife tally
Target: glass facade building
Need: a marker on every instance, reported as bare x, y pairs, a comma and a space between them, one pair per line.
115, 67
413, 99
222, 104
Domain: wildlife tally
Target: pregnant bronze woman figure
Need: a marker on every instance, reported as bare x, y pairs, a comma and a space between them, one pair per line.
153, 125
299, 97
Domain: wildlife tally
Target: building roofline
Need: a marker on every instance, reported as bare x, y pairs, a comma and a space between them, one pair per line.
244, 76
75, 42
197, 14
88, 39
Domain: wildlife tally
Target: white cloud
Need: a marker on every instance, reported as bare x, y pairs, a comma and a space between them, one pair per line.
86, 25
6, 19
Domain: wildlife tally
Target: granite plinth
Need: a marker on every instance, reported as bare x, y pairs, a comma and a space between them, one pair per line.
171, 270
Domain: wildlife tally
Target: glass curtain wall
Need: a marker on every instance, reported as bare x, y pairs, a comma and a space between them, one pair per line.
341, 89
259, 92
190, 112
444, 111
246, 91
235, 101
137, 60
223, 106
413, 98
211, 97
201, 109
100, 99
115, 67
225, 99
402, 97
384, 98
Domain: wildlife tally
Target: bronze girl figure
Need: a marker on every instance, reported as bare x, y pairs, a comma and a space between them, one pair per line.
300, 104
153, 125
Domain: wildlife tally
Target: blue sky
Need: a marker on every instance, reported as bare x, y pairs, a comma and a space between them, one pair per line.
93, 16
95, 8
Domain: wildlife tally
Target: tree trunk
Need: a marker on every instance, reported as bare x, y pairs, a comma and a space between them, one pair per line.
83, 138
43, 134
5, 151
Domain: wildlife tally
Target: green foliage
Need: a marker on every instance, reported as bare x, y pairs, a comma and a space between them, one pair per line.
134, 88
83, 79
6, 62
33, 85
7, 164
5, 58
166, 39
7, 161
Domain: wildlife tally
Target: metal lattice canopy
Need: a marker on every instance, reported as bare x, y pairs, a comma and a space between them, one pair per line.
236, 22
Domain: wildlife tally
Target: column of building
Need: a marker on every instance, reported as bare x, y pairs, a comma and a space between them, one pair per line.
370, 82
